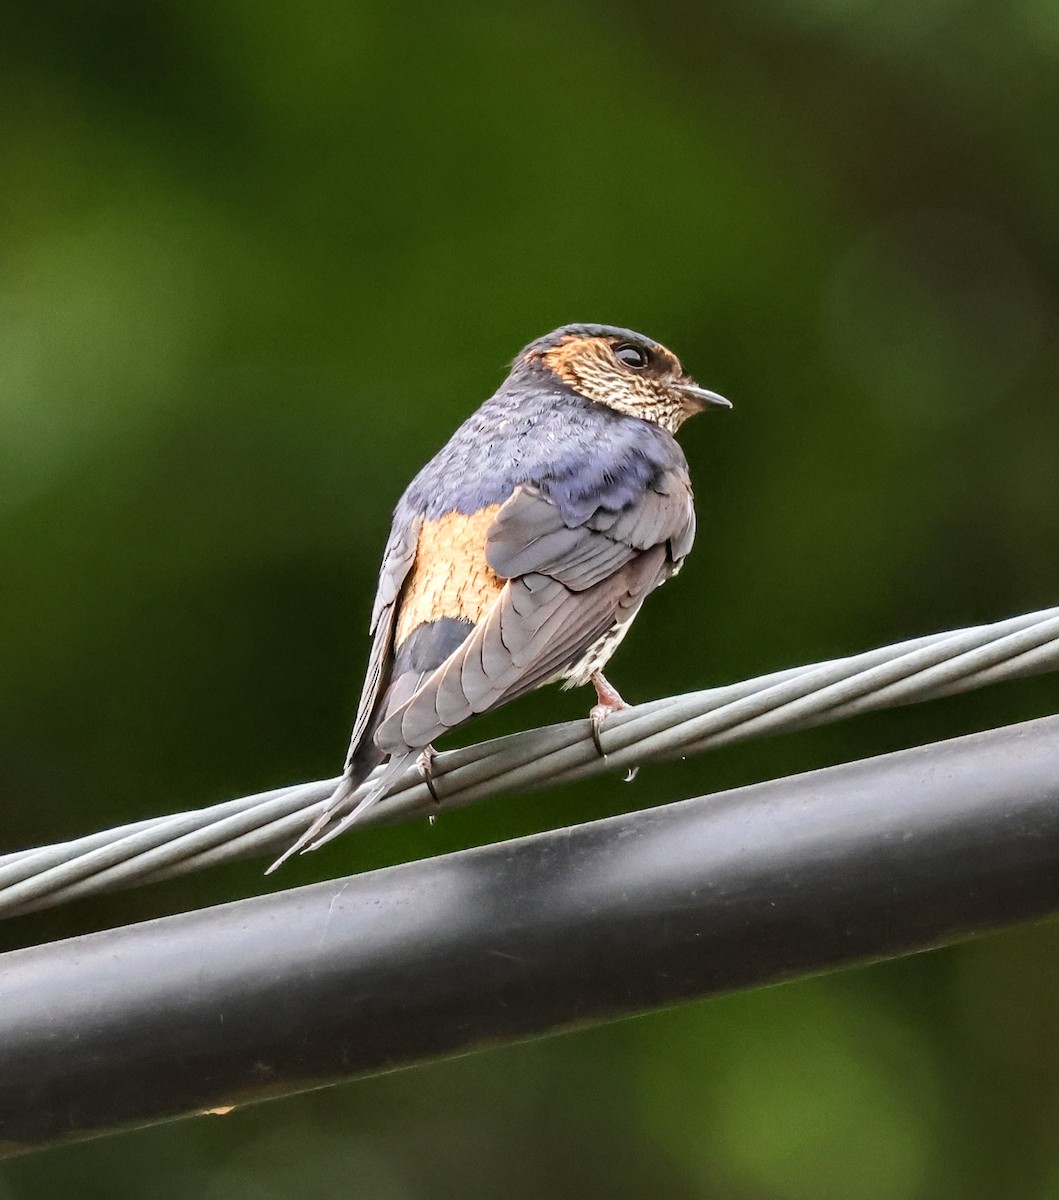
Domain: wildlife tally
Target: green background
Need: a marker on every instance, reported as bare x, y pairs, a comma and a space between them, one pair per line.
256, 262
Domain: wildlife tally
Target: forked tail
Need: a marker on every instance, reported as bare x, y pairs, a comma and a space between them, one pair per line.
358, 769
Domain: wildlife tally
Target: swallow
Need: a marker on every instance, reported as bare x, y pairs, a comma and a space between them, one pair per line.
520, 554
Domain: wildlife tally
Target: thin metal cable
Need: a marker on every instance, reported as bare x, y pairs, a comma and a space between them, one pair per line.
908, 672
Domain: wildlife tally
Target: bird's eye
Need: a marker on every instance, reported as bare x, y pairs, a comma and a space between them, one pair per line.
631, 356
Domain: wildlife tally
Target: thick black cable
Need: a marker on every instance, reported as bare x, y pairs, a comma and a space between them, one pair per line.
301, 989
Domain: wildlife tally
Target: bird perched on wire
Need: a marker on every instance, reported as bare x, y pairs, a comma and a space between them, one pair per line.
522, 551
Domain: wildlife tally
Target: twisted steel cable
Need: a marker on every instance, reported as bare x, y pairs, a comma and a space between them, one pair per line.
908, 672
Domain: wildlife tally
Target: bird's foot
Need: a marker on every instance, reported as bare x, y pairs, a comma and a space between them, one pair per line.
608, 701
425, 767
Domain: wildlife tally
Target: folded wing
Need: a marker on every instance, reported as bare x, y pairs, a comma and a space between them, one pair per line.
566, 587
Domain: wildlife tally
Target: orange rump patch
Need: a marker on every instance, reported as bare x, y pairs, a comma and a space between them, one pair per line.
450, 577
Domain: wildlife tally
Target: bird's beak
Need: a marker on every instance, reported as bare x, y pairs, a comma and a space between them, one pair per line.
701, 398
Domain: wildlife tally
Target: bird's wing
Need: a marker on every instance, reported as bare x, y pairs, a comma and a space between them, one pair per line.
397, 561
530, 534
566, 586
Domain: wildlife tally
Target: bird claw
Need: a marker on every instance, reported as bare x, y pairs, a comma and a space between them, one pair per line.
425, 767
609, 701
596, 717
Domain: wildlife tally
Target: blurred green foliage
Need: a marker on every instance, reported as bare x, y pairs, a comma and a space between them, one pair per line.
256, 262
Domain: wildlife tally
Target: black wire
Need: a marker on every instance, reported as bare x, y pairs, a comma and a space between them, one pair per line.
279, 994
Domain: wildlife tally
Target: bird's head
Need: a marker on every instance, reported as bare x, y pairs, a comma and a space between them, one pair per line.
624, 370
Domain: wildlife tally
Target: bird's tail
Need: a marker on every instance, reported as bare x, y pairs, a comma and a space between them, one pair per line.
395, 767
358, 768
364, 756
